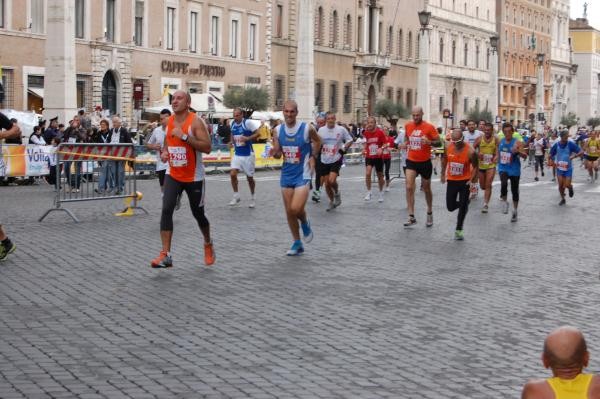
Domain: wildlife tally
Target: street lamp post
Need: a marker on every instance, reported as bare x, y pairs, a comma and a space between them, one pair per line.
494, 77
423, 86
539, 92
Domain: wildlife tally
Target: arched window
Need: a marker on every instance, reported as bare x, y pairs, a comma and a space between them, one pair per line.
400, 45
441, 50
319, 26
453, 52
410, 45
335, 28
109, 93
466, 54
348, 31
390, 40
477, 57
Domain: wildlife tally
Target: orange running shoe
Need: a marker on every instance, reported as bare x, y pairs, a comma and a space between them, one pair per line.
209, 254
162, 260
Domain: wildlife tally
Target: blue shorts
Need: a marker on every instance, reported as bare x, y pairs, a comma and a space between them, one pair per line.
293, 183
564, 173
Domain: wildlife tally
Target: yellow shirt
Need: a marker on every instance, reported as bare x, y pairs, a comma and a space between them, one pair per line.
264, 132
577, 388
487, 151
593, 147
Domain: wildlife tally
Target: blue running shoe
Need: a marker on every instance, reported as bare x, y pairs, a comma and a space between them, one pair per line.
307, 231
296, 249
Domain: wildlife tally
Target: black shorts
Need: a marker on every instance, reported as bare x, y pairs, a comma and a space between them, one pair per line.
377, 163
591, 158
424, 168
327, 168
161, 176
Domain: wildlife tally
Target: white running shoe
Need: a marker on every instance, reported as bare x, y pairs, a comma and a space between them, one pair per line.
387, 189
337, 199
380, 199
368, 196
505, 207
252, 203
234, 201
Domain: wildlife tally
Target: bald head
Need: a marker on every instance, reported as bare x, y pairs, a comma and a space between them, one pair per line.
456, 135
417, 114
565, 348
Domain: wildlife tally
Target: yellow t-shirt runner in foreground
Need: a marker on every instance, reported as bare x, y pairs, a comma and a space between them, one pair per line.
577, 388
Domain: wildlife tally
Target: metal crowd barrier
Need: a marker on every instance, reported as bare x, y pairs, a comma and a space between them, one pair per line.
93, 172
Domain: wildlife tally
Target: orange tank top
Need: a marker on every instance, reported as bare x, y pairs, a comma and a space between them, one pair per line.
459, 164
185, 163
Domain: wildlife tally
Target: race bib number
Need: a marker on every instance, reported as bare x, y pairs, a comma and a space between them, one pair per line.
328, 150
291, 154
456, 169
373, 149
538, 152
72, 140
414, 143
237, 139
177, 157
505, 157
562, 165
487, 158
593, 149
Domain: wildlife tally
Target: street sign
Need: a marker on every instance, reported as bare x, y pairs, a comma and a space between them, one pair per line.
498, 119
138, 91
446, 113
211, 103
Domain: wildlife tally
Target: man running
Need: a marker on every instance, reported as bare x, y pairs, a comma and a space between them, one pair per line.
592, 153
386, 156
8, 130
298, 142
420, 136
539, 149
375, 140
553, 140
509, 168
487, 163
243, 132
335, 141
459, 166
185, 141
562, 154
472, 137
316, 194
156, 143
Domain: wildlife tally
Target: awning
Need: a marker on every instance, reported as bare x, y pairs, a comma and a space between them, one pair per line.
36, 91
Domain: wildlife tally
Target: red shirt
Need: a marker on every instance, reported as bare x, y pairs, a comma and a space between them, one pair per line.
374, 141
417, 150
387, 152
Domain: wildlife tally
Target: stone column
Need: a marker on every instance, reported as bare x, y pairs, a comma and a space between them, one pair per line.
305, 66
539, 96
60, 97
494, 84
573, 99
423, 83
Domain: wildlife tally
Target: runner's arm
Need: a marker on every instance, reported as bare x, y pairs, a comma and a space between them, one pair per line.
315, 141
13, 132
275, 151
443, 169
475, 165
199, 138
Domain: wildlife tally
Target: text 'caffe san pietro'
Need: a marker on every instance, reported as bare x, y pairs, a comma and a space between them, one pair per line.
184, 68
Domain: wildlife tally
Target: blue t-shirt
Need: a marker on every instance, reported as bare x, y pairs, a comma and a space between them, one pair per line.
508, 162
238, 130
296, 148
561, 154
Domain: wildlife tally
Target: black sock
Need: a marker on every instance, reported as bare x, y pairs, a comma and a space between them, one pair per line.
6, 243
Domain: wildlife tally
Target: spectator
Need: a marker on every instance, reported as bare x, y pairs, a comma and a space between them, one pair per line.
16, 139
224, 131
52, 163
74, 134
566, 354
84, 119
264, 132
36, 137
119, 135
106, 174
52, 131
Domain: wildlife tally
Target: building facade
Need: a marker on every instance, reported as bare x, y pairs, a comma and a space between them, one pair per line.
460, 56
524, 27
364, 50
560, 62
585, 40
131, 52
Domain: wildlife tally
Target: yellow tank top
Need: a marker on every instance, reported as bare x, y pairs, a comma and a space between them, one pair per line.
593, 148
577, 388
486, 153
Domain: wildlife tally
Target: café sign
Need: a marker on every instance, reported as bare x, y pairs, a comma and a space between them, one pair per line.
184, 68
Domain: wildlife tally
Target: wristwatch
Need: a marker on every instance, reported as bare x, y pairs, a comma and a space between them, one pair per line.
184, 137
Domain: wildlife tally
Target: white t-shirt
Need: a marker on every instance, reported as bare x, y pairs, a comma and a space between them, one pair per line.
158, 137
471, 137
331, 142
400, 140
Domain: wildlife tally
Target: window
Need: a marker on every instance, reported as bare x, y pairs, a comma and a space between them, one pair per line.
279, 90
477, 57
441, 50
400, 96
8, 87
410, 46
252, 42
389, 93
170, 28
409, 99
359, 31
319, 95
347, 98
400, 45
476, 12
348, 32
2, 25
139, 23
453, 52
319, 27
390, 43
466, 55
466, 105
333, 96
335, 27
109, 29
487, 60
441, 104
193, 32
233, 39
37, 16
79, 19
279, 21
214, 35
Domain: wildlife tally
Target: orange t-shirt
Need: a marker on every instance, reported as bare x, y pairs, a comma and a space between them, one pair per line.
459, 164
417, 150
185, 163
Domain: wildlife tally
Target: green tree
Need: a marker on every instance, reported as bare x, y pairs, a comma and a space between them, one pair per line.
569, 120
477, 115
249, 99
593, 122
391, 111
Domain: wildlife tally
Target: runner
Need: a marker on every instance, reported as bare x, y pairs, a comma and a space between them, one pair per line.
298, 143
438, 152
386, 156
243, 132
509, 168
420, 136
156, 142
531, 148
186, 139
375, 140
539, 149
553, 140
487, 163
335, 141
8, 130
316, 194
472, 137
562, 154
592, 152
459, 166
